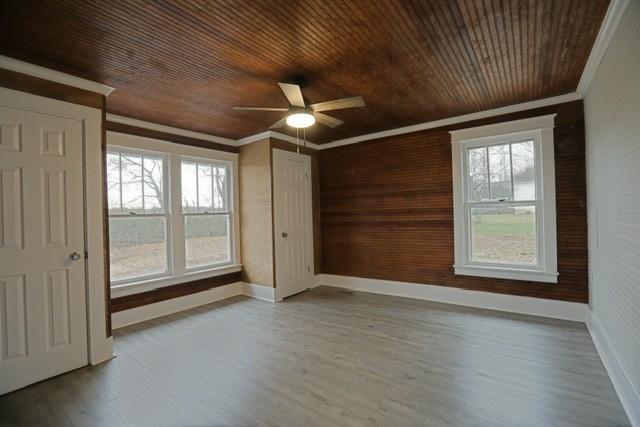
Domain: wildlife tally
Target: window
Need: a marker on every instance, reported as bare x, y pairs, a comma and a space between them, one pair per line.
171, 212
205, 209
137, 215
504, 200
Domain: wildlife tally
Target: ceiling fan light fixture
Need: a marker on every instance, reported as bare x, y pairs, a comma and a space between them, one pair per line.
300, 120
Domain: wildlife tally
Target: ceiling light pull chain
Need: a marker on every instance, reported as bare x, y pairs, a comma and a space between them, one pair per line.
297, 141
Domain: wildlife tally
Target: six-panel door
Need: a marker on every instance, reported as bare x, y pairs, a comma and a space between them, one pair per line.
43, 318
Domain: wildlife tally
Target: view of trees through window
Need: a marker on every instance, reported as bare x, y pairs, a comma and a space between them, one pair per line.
501, 203
137, 215
206, 214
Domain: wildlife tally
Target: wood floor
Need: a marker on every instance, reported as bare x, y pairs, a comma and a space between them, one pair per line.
332, 357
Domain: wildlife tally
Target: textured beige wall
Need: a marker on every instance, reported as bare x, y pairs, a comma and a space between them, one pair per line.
256, 225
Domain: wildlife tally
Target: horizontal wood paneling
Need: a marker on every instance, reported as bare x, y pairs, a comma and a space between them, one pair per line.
186, 63
37, 86
387, 209
168, 292
165, 136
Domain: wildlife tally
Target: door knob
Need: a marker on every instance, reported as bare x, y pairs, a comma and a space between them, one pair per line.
284, 235
75, 256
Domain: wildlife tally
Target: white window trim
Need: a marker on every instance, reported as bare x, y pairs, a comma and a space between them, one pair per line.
541, 129
177, 272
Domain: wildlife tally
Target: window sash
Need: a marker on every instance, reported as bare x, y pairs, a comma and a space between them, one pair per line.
226, 194
229, 236
538, 266
168, 253
538, 203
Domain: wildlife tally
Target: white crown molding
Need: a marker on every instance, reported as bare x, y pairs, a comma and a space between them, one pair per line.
607, 29
169, 129
272, 134
538, 103
52, 75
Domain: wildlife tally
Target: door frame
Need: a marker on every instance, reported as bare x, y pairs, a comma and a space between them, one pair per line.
100, 347
279, 153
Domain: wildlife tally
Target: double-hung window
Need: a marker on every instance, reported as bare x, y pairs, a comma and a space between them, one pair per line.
138, 215
171, 212
206, 213
504, 200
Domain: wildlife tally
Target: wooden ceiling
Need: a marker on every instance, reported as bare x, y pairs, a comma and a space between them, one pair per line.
186, 63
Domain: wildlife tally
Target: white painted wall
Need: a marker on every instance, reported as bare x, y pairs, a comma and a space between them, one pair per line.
612, 116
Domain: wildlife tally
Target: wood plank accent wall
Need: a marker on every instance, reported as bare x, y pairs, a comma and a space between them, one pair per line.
165, 136
37, 86
387, 209
174, 291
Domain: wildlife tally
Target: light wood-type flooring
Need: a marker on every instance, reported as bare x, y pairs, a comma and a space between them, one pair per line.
334, 357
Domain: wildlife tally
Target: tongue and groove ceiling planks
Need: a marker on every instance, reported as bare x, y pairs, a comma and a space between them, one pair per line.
186, 63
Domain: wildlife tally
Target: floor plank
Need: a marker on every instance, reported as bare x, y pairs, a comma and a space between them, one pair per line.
334, 357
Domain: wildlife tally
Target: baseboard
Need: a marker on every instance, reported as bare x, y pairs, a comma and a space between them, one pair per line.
258, 291
629, 395
514, 304
163, 308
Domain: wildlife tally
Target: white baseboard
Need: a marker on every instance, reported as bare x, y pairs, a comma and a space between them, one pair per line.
629, 395
163, 308
514, 304
258, 291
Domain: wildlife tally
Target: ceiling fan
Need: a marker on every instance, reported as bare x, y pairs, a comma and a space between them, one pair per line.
300, 115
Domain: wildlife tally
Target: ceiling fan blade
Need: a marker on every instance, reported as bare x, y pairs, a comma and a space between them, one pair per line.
293, 94
261, 108
280, 123
336, 104
327, 120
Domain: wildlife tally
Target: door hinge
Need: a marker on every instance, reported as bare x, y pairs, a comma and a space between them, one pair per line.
309, 268
86, 255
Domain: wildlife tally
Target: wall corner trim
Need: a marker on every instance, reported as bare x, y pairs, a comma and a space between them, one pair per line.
54, 76
554, 309
607, 29
628, 393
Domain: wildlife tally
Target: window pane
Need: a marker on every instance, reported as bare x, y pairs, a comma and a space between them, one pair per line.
138, 246
505, 235
220, 188
189, 187
478, 174
523, 161
132, 183
113, 182
500, 172
205, 188
206, 240
153, 184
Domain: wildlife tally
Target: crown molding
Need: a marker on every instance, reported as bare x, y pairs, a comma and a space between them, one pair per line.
54, 76
607, 29
457, 119
272, 134
169, 129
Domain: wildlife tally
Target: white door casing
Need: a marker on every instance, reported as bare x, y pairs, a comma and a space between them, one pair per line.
293, 222
43, 315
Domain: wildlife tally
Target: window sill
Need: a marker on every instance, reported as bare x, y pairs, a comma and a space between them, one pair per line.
507, 273
148, 285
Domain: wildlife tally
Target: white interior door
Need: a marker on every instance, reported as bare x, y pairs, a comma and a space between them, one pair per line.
293, 221
43, 317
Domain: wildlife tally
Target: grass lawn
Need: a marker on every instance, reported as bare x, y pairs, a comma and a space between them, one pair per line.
504, 238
